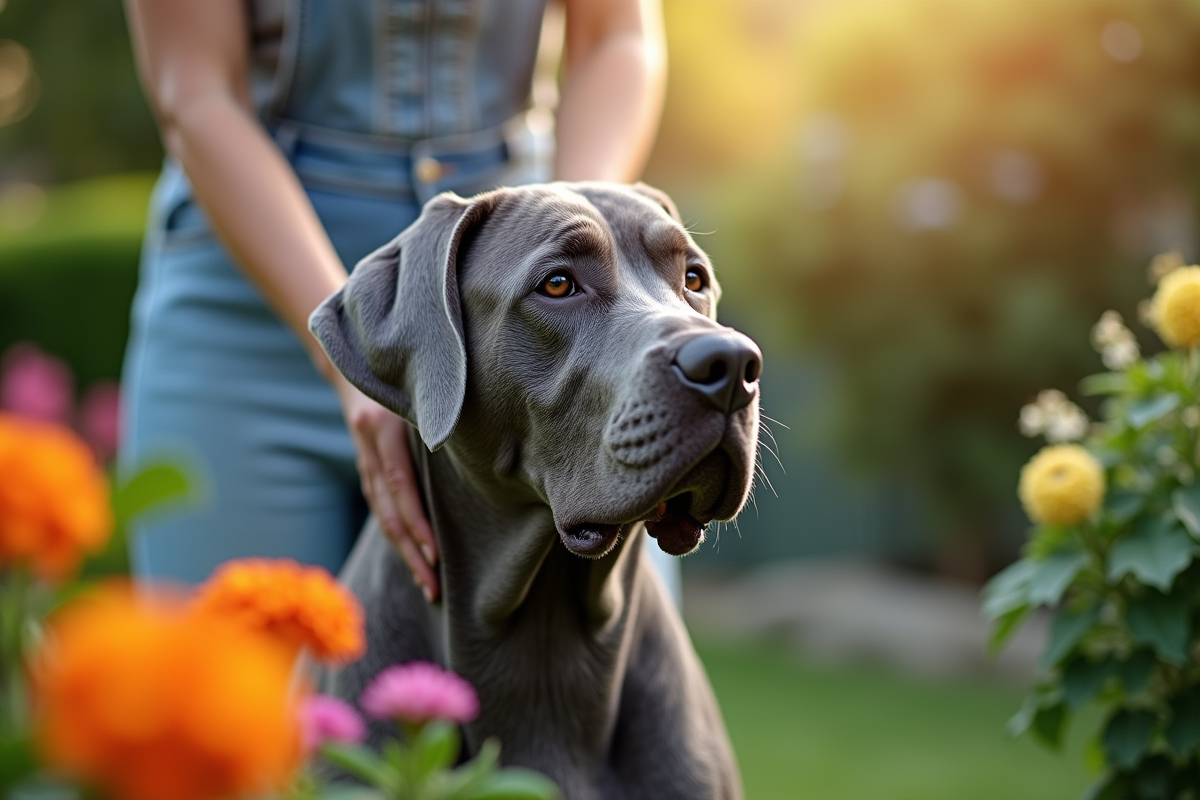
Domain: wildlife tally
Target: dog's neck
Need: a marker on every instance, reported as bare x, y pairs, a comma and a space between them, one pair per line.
513, 595
498, 544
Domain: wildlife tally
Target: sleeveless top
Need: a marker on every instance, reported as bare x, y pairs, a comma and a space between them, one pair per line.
396, 69
395, 98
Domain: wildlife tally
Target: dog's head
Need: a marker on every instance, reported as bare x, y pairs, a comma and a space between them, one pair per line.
567, 334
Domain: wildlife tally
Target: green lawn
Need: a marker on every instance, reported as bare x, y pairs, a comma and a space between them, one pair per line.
812, 733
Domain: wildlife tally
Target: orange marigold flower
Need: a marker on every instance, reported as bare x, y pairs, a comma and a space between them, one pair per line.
301, 606
54, 503
144, 699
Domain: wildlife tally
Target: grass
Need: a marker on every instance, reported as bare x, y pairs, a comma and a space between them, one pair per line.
803, 732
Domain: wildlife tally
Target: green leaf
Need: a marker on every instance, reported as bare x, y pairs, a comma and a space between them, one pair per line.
1160, 621
152, 485
1104, 383
1156, 551
1005, 626
1008, 590
361, 763
1046, 697
1053, 575
16, 761
1186, 502
1082, 678
1067, 629
1127, 736
1153, 778
1049, 723
1183, 734
1143, 412
1121, 505
436, 747
513, 783
1023, 719
349, 793
1111, 787
1135, 671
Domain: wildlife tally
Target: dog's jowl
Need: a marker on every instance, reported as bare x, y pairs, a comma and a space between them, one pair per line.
557, 351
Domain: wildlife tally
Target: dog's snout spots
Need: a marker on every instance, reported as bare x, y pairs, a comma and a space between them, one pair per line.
639, 437
723, 366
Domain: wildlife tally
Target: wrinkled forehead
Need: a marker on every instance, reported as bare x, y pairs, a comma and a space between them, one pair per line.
533, 225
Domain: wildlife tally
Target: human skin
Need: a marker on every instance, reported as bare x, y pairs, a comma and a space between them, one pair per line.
193, 62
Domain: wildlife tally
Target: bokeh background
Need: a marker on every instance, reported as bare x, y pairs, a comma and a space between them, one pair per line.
918, 208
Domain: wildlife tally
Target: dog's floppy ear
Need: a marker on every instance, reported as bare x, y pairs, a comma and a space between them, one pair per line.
660, 197
395, 329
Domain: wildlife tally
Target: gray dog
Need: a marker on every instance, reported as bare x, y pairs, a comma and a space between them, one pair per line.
555, 349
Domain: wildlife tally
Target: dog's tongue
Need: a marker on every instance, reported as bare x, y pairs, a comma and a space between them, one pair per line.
677, 532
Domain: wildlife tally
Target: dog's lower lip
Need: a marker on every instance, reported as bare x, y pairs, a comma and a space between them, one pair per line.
676, 531
589, 538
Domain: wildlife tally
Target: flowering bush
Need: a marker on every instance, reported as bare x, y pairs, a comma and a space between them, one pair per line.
1113, 554
143, 694
146, 698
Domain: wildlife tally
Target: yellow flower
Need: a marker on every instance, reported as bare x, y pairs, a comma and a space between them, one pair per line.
145, 699
1061, 485
54, 504
1176, 307
299, 606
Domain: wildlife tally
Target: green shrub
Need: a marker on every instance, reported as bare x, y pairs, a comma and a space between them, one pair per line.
1114, 554
66, 283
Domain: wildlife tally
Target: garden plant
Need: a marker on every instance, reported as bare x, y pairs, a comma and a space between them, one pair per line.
123, 693
1113, 554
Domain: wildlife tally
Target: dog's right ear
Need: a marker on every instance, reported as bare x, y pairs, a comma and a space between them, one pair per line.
395, 329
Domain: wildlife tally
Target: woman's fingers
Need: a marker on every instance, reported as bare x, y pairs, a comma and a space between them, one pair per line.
389, 484
401, 483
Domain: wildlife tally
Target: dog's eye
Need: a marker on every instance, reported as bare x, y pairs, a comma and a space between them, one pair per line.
693, 279
557, 284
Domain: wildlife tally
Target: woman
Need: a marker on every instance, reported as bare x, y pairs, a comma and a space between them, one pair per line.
301, 135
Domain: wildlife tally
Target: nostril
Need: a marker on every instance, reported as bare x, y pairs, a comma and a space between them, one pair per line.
753, 369
716, 372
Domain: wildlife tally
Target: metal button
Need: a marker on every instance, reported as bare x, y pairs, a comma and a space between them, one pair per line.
428, 170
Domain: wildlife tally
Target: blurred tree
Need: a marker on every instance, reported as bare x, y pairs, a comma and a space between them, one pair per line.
729, 98
81, 112
971, 184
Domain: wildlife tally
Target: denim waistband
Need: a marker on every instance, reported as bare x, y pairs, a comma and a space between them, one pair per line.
416, 169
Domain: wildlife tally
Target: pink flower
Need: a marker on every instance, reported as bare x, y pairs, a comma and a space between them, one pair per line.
326, 719
418, 692
100, 418
33, 384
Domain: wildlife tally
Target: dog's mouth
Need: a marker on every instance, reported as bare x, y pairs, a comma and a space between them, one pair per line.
671, 524
674, 528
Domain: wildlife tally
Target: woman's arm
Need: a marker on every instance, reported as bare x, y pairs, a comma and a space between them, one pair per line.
192, 57
612, 94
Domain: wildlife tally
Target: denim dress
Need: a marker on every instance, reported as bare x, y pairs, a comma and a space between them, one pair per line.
378, 105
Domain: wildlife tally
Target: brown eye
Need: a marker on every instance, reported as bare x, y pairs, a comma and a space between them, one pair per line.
558, 284
693, 280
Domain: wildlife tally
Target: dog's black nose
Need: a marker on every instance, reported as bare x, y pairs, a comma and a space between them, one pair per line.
723, 366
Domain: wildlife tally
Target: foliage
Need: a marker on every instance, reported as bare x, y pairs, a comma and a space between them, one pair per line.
67, 282
139, 693
948, 211
89, 116
1123, 584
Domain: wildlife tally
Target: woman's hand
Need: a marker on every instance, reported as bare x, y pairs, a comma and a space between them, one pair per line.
389, 483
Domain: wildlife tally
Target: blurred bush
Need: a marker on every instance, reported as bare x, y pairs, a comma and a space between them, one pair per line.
970, 184
75, 109
67, 281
